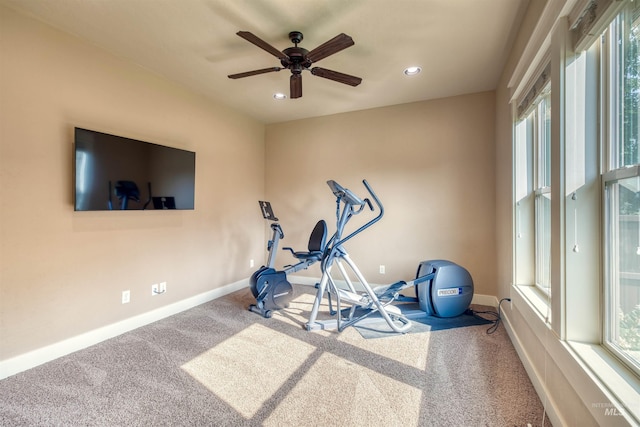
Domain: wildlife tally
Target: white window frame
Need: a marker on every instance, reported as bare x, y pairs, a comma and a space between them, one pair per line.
542, 220
615, 171
532, 190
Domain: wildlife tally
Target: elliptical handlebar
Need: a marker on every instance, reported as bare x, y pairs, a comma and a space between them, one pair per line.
353, 206
375, 198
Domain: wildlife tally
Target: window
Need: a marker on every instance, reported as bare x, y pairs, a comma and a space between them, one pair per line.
533, 183
542, 142
621, 78
579, 281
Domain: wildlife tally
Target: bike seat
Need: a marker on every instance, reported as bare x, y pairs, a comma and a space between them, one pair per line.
317, 242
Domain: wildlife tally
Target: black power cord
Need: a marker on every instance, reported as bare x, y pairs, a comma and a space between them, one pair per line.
497, 316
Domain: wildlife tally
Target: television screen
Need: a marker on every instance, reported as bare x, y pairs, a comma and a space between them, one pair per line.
117, 173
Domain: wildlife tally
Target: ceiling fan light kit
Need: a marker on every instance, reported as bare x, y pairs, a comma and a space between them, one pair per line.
297, 59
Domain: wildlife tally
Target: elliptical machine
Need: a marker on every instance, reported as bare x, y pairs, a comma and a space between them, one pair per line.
269, 286
443, 288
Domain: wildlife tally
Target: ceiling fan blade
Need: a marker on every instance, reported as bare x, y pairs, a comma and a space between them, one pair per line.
336, 76
295, 83
254, 72
336, 44
252, 38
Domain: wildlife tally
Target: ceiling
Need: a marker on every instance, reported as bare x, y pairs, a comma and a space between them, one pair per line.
461, 46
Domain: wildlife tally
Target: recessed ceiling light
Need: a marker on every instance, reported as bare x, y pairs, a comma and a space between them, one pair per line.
412, 71
279, 96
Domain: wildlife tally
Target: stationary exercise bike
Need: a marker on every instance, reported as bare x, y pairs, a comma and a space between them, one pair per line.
443, 288
269, 286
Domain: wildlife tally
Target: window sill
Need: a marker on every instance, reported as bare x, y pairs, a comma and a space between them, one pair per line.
611, 375
608, 389
538, 300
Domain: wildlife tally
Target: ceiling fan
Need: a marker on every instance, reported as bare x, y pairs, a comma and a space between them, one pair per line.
298, 59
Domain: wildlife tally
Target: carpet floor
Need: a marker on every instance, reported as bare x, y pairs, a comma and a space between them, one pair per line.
220, 365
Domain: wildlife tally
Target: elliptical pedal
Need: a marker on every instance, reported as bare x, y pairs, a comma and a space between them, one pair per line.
391, 291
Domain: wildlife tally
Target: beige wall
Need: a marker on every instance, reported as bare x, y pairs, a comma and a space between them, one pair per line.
431, 163
62, 272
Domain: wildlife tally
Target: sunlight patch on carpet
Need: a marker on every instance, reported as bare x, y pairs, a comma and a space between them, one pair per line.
297, 314
367, 397
218, 368
409, 349
298, 310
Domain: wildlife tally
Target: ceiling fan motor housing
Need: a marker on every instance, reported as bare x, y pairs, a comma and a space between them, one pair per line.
296, 58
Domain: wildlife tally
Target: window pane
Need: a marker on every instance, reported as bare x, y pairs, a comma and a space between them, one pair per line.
544, 140
543, 192
623, 219
625, 88
632, 90
543, 240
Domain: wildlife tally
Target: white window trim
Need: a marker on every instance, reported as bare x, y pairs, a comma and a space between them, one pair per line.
614, 399
598, 378
607, 179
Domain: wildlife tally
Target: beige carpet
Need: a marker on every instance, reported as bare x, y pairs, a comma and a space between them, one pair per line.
221, 365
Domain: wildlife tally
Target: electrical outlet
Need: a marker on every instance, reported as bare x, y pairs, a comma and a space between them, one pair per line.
126, 297
250, 263
163, 287
382, 269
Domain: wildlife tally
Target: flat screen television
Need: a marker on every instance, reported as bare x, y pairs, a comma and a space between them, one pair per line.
118, 173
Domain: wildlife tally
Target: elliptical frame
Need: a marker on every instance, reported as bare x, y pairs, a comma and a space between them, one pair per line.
373, 300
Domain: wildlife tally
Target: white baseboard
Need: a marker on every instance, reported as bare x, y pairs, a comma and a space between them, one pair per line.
488, 300
538, 381
302, 280
42, 355
479, 299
